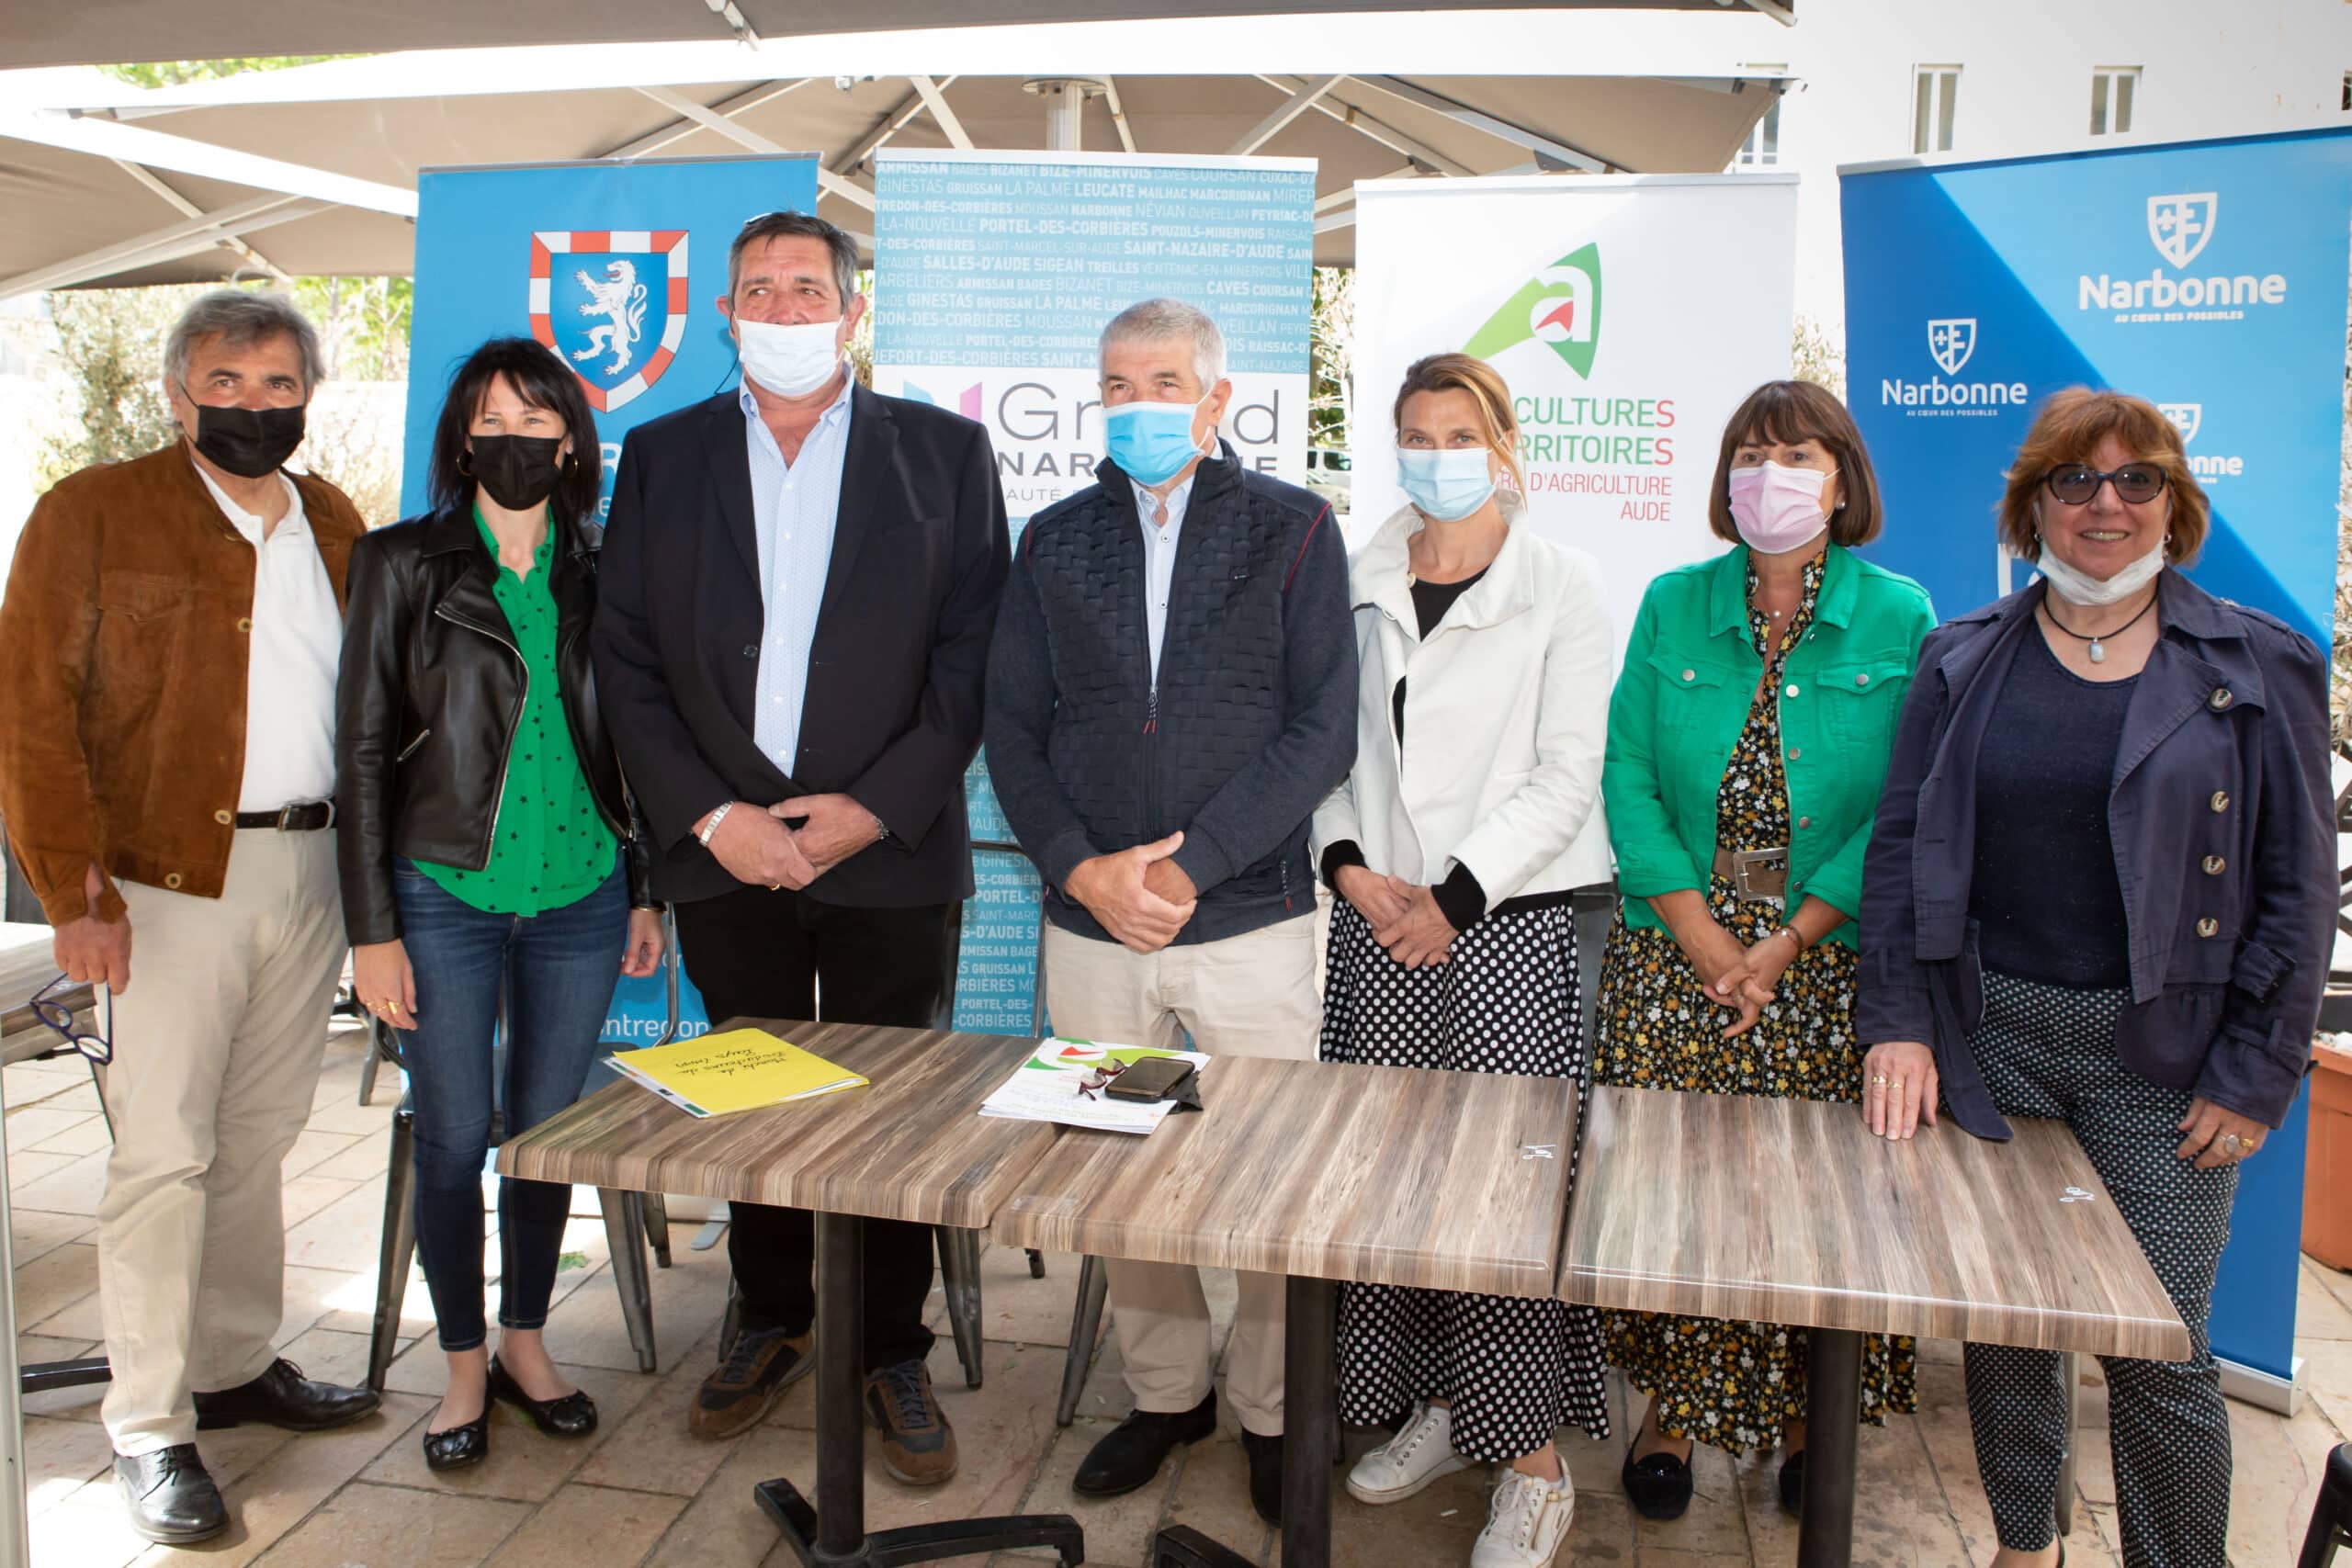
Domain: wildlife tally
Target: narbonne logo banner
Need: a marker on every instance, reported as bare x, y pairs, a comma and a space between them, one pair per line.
2208, 277
994, 274
616, 269
1604, 305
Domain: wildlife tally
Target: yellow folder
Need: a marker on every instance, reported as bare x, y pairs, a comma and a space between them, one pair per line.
738, 1069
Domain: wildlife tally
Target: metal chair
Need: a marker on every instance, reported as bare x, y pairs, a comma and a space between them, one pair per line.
2331, 1525
632, 1220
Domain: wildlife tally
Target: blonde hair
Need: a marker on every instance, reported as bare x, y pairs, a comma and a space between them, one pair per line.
1461, 373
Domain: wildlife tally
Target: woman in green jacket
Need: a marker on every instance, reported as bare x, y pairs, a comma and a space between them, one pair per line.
1748, 736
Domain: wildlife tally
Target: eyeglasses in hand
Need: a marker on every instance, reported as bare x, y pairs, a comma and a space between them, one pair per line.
98, 1048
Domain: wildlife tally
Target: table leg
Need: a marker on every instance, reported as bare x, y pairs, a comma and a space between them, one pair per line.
832, 1534
1310, 1443
1309, 1387
1833, 1428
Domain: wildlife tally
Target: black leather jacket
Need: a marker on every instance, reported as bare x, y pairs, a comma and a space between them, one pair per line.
431, 692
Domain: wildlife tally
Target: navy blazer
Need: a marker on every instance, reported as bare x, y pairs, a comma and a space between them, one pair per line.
2224, 832
895, 670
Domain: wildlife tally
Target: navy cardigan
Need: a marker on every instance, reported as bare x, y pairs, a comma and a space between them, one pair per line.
2224, 832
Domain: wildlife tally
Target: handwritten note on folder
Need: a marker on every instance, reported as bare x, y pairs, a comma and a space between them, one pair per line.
740, 1069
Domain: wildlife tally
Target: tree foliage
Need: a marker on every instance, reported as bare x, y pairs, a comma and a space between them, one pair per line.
1331, 332
178, 72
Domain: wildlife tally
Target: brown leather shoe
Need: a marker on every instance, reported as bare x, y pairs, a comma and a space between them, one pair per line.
746, 1384
918, 1445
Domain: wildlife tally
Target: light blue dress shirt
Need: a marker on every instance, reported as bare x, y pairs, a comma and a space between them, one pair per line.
793, 510
1160, 560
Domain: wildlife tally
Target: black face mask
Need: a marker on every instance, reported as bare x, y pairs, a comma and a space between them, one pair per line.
248, 443
519, 471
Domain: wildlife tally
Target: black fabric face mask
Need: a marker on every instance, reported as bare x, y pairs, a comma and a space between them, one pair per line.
248, 443
519, 471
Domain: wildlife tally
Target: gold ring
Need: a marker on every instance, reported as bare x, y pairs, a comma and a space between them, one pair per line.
1895, 1087
1879, 1078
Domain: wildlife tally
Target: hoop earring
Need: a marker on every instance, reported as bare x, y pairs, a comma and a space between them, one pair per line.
465, 462
571, 464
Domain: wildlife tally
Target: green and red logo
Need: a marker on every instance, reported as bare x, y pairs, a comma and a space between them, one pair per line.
1559, 306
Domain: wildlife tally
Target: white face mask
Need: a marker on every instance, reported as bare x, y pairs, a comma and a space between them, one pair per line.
2080, 588
791, 362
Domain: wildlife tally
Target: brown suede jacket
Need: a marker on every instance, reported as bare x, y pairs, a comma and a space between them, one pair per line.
123, 638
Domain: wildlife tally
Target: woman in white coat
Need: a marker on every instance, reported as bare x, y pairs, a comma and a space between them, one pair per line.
1473, 811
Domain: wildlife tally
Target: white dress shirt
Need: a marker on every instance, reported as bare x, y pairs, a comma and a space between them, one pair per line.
291, 663
794, 509
1159, 558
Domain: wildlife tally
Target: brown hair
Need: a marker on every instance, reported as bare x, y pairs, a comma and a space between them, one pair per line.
2067, 428
1789, 412
1460, 372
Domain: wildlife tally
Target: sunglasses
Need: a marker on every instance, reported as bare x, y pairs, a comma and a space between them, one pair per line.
98, 1048
2076, 483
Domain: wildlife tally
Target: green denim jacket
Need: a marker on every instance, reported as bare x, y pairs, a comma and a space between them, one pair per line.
1690, 672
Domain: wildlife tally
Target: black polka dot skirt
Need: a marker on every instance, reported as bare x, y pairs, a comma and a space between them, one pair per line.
1515, 1370
2049, 1051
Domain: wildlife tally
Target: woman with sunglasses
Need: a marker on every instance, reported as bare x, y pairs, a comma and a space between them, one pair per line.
489, 856
2102, 888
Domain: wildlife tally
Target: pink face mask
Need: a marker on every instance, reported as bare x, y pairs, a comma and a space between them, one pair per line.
1778, 510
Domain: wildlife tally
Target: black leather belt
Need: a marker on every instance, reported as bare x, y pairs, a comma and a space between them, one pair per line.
307, 818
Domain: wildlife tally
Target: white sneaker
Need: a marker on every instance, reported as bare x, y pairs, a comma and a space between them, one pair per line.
1409, 1460
1527, 1523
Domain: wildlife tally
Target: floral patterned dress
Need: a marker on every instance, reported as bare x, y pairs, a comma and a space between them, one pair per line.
1728, 1383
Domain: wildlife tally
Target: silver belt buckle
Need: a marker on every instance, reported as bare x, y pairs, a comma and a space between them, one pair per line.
1745, 860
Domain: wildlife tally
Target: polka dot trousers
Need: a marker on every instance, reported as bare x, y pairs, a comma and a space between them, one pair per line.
2049, 1051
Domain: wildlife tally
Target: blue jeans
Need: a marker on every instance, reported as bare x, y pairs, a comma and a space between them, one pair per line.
557, 970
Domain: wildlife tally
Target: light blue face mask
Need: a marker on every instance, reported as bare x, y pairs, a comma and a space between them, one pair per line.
1150, 442
1448, 485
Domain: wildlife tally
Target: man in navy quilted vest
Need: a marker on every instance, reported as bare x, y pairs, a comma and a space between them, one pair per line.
1171, 694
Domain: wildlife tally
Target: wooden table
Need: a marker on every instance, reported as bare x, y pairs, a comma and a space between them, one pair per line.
1320, 1172
1789, 1211
912, 1146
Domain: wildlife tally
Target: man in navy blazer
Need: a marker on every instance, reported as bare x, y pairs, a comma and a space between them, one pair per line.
799, 582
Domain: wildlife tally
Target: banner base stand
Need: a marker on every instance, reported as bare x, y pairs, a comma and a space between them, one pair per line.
2265, 1391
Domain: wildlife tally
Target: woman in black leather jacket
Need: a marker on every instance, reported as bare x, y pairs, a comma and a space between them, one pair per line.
489, 846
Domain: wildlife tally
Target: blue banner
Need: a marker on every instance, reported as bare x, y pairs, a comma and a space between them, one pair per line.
2208, 277
617, 267
994, 275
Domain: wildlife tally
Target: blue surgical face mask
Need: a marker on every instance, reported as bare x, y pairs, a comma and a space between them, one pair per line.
1448, 485
1151, 441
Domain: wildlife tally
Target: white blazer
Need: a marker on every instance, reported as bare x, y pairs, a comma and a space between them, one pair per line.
1506, 719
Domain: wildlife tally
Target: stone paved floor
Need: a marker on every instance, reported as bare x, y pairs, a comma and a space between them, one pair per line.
640, 1492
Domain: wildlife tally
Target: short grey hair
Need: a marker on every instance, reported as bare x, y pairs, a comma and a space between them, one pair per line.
240, 317
796, 225
1154, 321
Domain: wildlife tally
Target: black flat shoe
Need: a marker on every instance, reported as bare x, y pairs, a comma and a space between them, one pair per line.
460, 1446
1265, 1475
1133, 1452
1792, 1484
573, 1415
1659, 1485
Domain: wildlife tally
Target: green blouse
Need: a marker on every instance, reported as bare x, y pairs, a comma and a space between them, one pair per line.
550, 847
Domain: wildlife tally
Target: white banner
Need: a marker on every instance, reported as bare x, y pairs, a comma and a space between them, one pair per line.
1630, 315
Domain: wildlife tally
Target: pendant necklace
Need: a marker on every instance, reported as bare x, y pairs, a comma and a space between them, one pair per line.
2097, 640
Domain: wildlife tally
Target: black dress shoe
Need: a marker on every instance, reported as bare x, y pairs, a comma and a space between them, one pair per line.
1133, 1452
460, 1446
171, 1495
1659, 1485
282, 1397
573, 1415
1265, 1475
1792, 1484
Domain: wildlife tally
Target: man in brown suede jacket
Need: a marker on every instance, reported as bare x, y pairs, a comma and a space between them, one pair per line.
171, 634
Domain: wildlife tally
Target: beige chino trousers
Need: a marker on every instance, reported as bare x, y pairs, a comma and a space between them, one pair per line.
216, 1045
1251, 995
